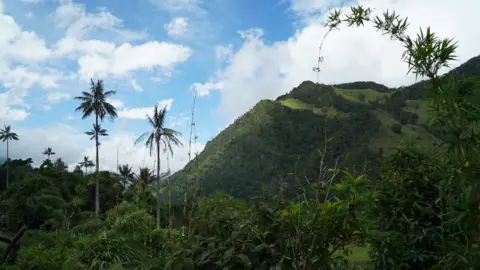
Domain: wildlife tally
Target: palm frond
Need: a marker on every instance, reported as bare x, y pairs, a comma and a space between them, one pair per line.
142, 137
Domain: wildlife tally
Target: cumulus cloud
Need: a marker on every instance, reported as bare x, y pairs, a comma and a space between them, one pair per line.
31, 1
257, 70
127, 58
204, 89
56, 97
142, 112
223, 53
77, 22
21, 46
117, 103
177, 27
6, 110
178, 5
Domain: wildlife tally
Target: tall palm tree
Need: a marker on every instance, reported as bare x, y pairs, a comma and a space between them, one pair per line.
60, 165
95, 132
144, 178
48, 152
6, 135
95, 102
90, 164
126, 172
160, 135
85, 163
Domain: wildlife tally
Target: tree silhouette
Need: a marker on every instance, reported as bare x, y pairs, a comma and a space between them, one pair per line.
85, 164
126, 172
160, 135
48, 152
6, 135
95, 102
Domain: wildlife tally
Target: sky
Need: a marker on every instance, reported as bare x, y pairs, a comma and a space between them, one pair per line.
232, 53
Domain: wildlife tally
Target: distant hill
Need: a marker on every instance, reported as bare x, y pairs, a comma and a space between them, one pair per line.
277, 138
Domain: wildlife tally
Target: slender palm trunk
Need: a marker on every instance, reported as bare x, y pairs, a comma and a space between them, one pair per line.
8, 164
97, 182
158, 183
170, 212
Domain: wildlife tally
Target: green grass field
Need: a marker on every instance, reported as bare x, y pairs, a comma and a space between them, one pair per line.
300, 105
356, 95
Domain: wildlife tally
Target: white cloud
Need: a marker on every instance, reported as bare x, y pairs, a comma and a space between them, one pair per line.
309, 7
257, 70
177, 27
142, 112
20, 46
117, 103
31, 1
78, 22
2, 7
223, 53
9, 113
127, 58
178, 5
204, 89
56, 97
165, 103
135, 85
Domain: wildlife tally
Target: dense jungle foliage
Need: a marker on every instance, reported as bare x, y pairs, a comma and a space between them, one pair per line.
316, 208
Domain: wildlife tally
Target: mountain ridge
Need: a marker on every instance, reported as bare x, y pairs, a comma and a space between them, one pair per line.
279, 137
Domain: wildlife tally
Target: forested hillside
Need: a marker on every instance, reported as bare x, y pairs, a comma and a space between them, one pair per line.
277, 138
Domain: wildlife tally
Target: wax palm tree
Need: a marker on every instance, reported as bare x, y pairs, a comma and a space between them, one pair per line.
85, 164
155, 138
90, 164
48, 152
60, 165
95, 132
144, 178
126, 172
95, 102
7, 135
78, 169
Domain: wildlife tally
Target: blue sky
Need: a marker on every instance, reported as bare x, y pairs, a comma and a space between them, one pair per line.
232, 52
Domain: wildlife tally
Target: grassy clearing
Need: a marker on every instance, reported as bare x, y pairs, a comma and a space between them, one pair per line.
300, 105
356, 95
388, 140
419, 107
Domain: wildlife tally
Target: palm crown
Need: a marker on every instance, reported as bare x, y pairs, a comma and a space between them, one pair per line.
160, 134
6, 134
49, 152
97, 130
96, 102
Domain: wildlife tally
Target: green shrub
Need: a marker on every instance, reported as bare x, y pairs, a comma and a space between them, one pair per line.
39, 257
397, 128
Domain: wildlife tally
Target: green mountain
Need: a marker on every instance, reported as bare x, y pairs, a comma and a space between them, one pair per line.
278, 140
